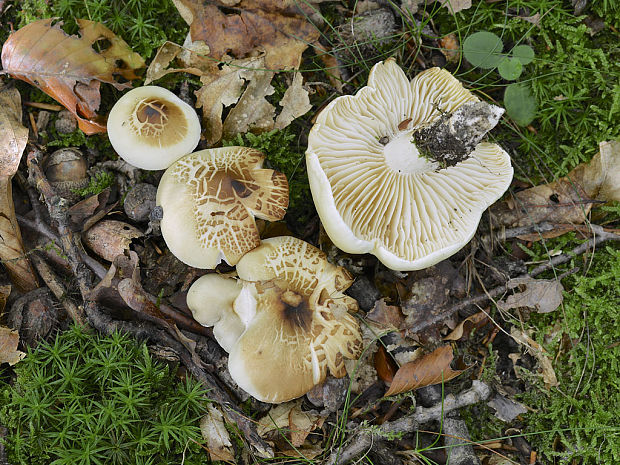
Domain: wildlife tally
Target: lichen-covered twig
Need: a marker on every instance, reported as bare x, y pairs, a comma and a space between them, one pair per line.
364, 438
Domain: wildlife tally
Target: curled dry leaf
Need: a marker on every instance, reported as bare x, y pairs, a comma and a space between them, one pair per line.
294, 103
279, 28
5, 292
8, 346
569, 199
548, 373
385, 365
454, 6
385, 317
67, 68
432, 368
110, 238
216, 435
13, 139
465, 327
289, 419
543, 295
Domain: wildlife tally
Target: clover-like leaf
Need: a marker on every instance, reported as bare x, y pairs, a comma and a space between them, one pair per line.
483, 49
520, 103
523, 53
510, 68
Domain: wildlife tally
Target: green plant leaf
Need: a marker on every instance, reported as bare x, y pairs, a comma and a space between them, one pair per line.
510, 68
523, 53
520, 103
483, 49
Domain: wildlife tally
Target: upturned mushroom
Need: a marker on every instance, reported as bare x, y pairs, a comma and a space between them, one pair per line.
295, 318
210, 199
377, 191
150, 127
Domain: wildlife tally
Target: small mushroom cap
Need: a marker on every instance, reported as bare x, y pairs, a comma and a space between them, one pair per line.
210, 199
150, 127
211, 298
302, 327
374, 191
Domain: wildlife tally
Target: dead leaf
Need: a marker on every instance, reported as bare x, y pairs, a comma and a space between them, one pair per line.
385, 317
9, 339
168, 52
294, 103
569, 199
465, 327
506, 409
534, 19
221, 89
13, 139
67, 68
252, 111
89, 211
279, 28
216, 435
290, 421
450, 47
454, 6
430, 369
5, 292
542, 295
385, 365
110, 238
540, 354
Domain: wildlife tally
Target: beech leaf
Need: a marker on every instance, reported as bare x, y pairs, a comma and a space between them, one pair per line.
13, 139
543, 295
8, 346
430, 369
68, 68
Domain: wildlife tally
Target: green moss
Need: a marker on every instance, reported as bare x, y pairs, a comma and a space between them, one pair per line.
583, 412
89, 399
98, 183
283, 155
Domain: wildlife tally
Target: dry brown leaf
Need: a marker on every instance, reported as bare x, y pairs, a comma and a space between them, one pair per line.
216, 435
289, 420
89, 211
450, 47
5, 292
385, 365
13, 139
67, 68
221, 89
539, 353
294, 103
252, 111
279, 28
569, 199
543, 295
168, 52
385, 317
466, 326
432, 368
9, 339
456, 5
110, 238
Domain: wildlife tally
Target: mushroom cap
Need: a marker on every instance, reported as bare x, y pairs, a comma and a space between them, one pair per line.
210, 199
211, 298
301, 327
374, 191
150, 127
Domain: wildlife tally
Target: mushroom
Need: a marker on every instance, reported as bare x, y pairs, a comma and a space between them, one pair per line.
209, 200
295, 316
150, 127
377, 192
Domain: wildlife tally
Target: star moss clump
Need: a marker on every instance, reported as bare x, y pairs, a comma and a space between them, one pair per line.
90, 399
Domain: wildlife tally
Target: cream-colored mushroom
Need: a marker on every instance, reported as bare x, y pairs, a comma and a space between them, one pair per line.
150, 127
296, 317
375, 191
210, 199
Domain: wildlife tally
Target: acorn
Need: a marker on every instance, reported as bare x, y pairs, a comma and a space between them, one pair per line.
66, 170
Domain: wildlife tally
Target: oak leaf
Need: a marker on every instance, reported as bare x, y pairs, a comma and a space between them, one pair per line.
430, 369
280, 28
68, 68
13, 139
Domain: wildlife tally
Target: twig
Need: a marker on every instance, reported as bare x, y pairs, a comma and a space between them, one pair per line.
600, 236
362, 441
54, 284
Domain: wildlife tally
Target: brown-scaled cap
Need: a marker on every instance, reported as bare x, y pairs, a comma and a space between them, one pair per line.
302, 326
210, 199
